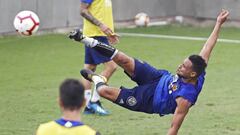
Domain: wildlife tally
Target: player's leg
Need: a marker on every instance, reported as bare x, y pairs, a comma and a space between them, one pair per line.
132, 99
92, 59
87, 84
103, 89
109, 68
138, 71
109, 65
124, 61
110, 93
88, 91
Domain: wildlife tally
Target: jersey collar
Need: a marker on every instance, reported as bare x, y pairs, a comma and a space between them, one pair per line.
68, 123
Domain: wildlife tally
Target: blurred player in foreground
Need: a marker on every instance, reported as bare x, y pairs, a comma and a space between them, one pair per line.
158, 91
71, 100
98, 24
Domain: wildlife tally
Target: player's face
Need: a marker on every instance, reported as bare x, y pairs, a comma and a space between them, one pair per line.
185, 69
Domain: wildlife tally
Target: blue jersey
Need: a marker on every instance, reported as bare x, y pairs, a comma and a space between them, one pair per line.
157, 90
169, 88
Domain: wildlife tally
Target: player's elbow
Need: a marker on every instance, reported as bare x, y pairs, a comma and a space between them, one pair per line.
205, 58
83, 12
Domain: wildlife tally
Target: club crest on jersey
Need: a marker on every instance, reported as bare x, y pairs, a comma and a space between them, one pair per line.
131, 101
174, 87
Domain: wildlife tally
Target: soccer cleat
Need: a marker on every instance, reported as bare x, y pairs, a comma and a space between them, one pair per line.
76, 35
98, 109
88, 110
95, 108
88, 74
104, 49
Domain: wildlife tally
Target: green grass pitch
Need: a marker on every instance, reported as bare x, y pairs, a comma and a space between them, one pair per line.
32, 69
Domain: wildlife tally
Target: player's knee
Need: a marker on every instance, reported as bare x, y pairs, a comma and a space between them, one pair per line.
123, 59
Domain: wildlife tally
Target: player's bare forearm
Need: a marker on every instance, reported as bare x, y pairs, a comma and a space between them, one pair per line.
173, 131
181, 111
210, 43
176, 123
87, 15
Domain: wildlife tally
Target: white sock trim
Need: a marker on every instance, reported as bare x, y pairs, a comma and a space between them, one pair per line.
87, 95
90, 42
95, 95
97, 79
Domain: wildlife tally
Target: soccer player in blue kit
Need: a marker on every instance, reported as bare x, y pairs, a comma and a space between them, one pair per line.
158, 91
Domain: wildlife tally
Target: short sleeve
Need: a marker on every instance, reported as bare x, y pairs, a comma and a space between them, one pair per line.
201, 80
189, 93
87, 1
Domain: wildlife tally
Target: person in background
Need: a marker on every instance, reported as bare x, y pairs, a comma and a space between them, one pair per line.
98, 24
71, 100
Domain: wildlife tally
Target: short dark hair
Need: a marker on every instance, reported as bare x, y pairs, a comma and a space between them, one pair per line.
198, 63
71, 94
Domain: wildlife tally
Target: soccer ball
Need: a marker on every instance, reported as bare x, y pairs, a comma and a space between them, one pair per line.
26, 23
142, 19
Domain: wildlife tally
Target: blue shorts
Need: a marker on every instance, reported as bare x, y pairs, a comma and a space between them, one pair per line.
140, 98
94, 57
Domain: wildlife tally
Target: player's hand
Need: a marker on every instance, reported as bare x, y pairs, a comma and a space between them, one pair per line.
222, 17
113, 39
105, 29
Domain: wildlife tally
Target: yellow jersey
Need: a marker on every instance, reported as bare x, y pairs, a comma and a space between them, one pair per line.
63, 127
102, 11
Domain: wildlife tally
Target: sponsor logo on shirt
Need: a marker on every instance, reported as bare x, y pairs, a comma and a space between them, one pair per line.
121, 101
131, 101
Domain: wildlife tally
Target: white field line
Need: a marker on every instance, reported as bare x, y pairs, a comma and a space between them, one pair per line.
177, 37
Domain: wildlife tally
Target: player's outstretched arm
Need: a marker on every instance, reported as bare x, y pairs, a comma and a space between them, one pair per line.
181, 111
210, 43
